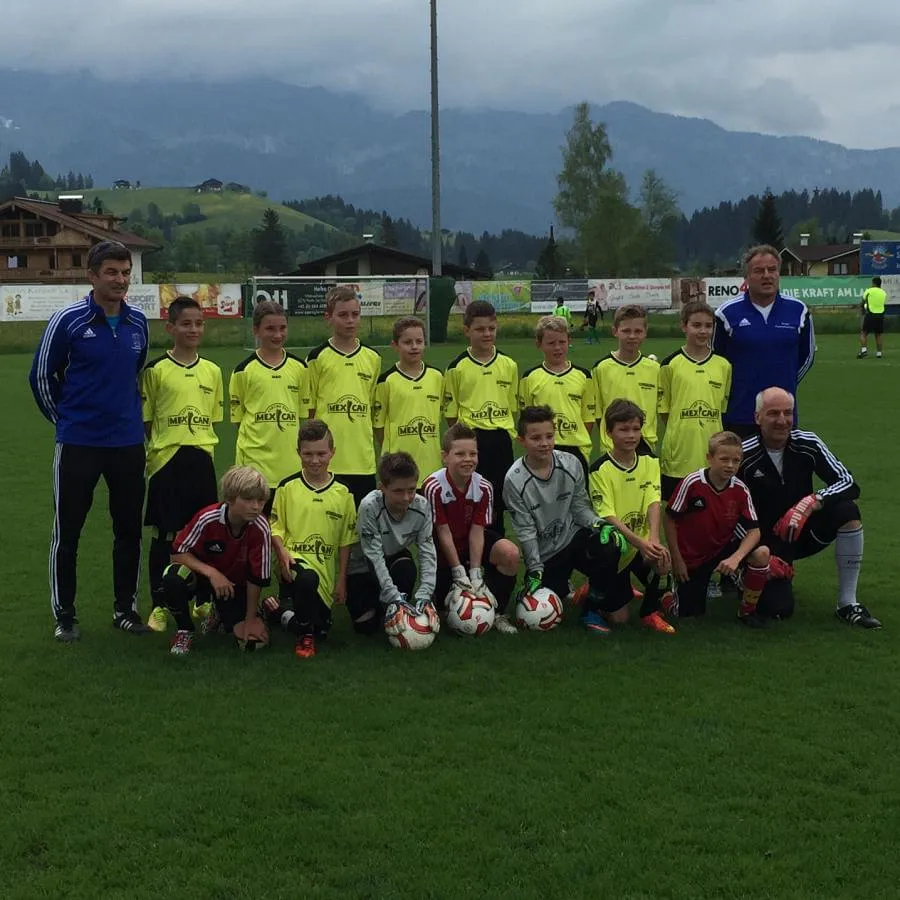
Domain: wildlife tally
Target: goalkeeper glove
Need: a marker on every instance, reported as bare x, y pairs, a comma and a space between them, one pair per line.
427, 608
460, 579
609, 533
533, 581
792, 523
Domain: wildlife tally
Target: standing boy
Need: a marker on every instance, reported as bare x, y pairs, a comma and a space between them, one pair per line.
711, 526
182, 401
627, 374
873, 303
461, 506
342, 377
557, 528
85, 381
694, 386
222, 556
313, 527
382, 572
480, 390
563, 311
624, 490
566, 388
408, 400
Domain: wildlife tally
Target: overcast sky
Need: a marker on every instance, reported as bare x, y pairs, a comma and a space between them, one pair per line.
782, 66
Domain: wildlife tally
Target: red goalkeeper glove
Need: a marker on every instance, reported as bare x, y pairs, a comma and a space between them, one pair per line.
792, 523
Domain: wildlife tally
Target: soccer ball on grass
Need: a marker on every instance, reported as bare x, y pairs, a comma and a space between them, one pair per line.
540, 611
469, 614
408, 629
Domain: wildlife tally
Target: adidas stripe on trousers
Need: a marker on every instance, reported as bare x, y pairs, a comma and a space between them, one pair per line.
76, 472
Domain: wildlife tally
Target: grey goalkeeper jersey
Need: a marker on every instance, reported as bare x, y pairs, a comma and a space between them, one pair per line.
546, 512
381, 535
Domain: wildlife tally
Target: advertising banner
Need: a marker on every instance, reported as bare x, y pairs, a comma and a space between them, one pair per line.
573, 291
376, 298
217, 301
37, 302
879, 258
829, 290
651, 293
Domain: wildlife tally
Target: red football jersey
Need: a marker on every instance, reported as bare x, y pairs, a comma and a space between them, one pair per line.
247, 557
709, 520
460, 510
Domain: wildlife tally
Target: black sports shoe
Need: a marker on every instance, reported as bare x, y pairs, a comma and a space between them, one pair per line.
857, 614
753, 620
67, 632
130, 622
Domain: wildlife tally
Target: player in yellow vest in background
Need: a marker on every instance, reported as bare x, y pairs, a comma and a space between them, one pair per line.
873, 301
563, 311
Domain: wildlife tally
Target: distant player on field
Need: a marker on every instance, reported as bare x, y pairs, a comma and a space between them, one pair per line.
408, 400
480, 390
873, 303
343, 373
269, 398
563, 311
566, 388
181, 394
461, 508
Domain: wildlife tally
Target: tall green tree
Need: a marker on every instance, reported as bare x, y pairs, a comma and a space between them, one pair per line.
658, 204
549, 264
388, 231
270, 253
767, 224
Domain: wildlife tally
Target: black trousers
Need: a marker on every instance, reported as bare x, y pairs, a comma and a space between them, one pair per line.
495, 456
76, 471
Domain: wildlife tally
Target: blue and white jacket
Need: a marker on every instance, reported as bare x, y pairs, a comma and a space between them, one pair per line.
773, 352
85, 375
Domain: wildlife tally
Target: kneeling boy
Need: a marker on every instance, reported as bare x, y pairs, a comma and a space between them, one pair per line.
624, 487
461, 506
313, 527
544, 491
382, 572
222, 555
711, 526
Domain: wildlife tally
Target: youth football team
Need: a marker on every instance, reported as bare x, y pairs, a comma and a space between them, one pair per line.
310, 493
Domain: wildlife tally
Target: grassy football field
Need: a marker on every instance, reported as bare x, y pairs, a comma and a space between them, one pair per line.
719, 762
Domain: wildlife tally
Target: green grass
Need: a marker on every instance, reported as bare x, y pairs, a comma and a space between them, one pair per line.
717, 763
224, 210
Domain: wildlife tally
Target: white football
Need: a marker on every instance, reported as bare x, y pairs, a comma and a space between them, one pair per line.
540, 611
653, 356
408, 630
469, 614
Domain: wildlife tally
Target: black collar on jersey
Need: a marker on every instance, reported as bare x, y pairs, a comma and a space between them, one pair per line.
223, 518
270, 367
728, 484
418, 377
627, 365
697, 362
359, 346
478, 362
317, 490
622, 468
182, 365
558, 374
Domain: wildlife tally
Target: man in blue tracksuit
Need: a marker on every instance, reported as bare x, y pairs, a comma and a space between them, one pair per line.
85, 381
766, 336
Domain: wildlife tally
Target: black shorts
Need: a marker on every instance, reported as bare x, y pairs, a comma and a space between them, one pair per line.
621, 593
821, 530
690, 595
185, 484
231, 610
444, 579
873, 323
584, 554
668, 483
576, 452
358, 485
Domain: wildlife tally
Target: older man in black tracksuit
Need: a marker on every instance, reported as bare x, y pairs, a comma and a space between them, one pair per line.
795, 519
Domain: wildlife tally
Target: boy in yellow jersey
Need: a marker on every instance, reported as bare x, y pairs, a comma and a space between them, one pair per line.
624, 490
313, 523
343, 374
694, 386
566, 388
269, 397
181, 395
627, 374
408, 400
481, 391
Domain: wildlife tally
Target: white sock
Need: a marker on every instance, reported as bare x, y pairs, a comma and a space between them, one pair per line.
848, 554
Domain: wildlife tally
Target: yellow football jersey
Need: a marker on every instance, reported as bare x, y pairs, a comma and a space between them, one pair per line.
694, 395
483, 394
267, 404
572, 397
342, 393
637, 381
313, 524
409, 411
181, 403
626, 493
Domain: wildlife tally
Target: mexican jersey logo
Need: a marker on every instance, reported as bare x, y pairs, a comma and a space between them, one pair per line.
279, 416
191, 418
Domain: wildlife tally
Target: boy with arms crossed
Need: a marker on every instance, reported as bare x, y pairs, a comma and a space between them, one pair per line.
223, 556
181, 394
557, 528
343, 373
480, 390
408, 400
313, 527
461, 506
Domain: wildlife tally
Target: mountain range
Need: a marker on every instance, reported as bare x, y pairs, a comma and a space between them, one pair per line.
498, 168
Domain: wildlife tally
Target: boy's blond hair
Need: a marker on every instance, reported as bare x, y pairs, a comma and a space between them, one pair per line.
724, 439
340, 294
403, 323
550, 323
244, 482
631, 311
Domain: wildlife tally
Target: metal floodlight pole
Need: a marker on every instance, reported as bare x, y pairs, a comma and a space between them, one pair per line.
436, 244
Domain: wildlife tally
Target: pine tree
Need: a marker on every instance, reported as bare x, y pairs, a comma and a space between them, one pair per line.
388, 231
483, 262
462, 257
270, 253
767, 224
548, 264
